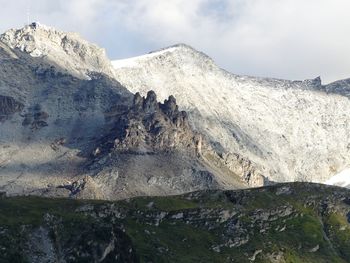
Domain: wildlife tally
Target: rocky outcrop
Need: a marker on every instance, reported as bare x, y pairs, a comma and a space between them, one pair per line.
9, 106
151, 149
244, 168
35, 118
149, 126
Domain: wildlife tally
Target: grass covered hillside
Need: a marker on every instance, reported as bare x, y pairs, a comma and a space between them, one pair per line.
296, 222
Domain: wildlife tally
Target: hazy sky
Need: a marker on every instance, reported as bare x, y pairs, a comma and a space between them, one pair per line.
292, 39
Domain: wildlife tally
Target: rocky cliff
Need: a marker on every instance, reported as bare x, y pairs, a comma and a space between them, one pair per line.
155, 127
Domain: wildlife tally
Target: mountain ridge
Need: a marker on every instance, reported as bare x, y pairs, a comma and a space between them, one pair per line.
68, 50
57, 108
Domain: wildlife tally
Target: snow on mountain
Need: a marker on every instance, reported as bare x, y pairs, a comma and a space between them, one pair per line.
135, 61
290, 130
341, 179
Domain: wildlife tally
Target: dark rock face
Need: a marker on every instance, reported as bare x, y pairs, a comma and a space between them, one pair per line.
170, 107
150, 126
36, 118
9, 106
150, 104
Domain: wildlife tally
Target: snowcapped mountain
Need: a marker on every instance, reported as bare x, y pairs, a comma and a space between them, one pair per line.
289, 130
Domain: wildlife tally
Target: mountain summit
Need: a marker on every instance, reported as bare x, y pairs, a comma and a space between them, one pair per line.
68, 51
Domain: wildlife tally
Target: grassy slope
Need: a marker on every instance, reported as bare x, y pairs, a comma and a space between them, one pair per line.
180, 241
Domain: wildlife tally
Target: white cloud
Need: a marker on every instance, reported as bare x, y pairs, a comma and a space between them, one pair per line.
292, 39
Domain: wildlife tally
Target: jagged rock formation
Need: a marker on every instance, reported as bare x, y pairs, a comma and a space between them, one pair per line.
284, 223
288, 130
149, 126
152, 150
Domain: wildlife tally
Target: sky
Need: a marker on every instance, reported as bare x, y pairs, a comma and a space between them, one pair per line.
289, 39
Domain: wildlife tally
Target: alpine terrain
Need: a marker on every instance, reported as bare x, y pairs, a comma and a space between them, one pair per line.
69, 128
71, 124
288, 130
285, 223
165, 158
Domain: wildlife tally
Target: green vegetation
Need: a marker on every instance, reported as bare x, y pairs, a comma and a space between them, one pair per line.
338, 231
307, 224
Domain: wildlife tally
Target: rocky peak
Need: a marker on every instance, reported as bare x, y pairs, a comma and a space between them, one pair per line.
138, 101
182, 49
150, 126
66, 50
150, 104
176, 55
170, 107
315, 83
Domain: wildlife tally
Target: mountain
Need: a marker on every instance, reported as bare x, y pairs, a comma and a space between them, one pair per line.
62, 112
286, 130
172, 141
297, 222
73, 124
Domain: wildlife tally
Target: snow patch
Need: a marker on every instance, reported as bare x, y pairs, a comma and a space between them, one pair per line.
135, 61
341, 179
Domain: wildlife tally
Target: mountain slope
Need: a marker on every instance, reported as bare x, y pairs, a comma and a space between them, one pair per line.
151, 150
60, 103
287, 130
48, 118
285, 223
61, 98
